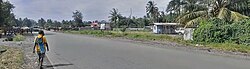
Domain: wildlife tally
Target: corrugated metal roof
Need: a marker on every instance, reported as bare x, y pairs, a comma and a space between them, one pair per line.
166, 23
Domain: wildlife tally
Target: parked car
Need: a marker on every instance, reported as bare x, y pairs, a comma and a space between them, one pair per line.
180, 31
36, 29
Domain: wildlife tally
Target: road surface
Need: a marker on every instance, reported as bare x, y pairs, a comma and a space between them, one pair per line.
69, 51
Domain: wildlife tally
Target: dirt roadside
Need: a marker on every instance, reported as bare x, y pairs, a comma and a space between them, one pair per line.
30, 58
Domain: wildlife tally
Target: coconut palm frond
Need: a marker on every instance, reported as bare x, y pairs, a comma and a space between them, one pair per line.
193, 22
225, 14
237, 16
190, 16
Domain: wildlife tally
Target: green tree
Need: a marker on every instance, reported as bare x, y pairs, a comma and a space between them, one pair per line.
146, 21
115, 17
192, 11
65, 24
152, 11
27, 22
1, 15
19, 22
57, 24
77, 15
230, 10
162, 17
171, 17
6, 16
174, 6
41, 23
49, 23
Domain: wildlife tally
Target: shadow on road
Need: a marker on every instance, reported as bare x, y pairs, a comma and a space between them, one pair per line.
57, 65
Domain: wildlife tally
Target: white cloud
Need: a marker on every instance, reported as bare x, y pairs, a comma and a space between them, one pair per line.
91, 9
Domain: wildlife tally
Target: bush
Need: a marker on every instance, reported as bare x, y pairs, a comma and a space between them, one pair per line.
19, 38
219, 31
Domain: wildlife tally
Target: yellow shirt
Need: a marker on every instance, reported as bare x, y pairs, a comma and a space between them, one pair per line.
44, 41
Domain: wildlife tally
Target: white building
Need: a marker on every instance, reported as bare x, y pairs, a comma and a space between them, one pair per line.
164, 28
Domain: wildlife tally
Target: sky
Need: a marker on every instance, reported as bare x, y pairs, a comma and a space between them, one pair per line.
91, 9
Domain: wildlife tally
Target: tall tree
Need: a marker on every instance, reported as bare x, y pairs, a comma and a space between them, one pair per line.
49, 23
1, 15
174, 6
27, 22
162, 17
77, 15
41, 23
115, 16
231, 10
192, 13
57, 24
152, 11
6, 16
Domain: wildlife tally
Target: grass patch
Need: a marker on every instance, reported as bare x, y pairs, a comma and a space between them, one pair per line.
19, 38
230, 47
12, 58
132, 35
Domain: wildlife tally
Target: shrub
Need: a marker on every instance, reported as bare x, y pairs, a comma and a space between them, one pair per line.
219, 31
19, 38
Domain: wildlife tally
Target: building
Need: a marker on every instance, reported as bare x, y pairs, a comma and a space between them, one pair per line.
164, 28
95, 26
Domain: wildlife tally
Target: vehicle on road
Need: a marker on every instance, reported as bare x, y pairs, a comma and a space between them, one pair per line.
180, 31
36, 29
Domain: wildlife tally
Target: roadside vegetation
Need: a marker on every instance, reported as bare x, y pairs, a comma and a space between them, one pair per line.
223, 46
147, 36
219, 24
19, 38
11, 59
129, 34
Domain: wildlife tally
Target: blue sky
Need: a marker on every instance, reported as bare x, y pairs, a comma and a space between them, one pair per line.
91, 9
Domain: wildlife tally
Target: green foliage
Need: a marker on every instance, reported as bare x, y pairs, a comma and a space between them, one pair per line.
41, 22
77, 15
19, 38
230, 47
130, 35
190, 12
152, 11
219, 31
7, 18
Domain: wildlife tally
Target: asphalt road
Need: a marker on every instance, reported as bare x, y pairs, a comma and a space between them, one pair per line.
69, 51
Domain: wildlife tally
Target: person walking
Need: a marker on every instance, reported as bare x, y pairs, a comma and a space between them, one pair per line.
40, 47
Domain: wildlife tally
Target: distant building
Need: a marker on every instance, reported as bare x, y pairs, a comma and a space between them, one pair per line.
164, 28
94, 25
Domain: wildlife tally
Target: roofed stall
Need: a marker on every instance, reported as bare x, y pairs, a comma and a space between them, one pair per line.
165, 28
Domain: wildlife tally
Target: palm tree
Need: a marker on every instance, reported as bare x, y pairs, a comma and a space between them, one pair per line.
231, 10
114, 17
174, 6
192, 12
152, 11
